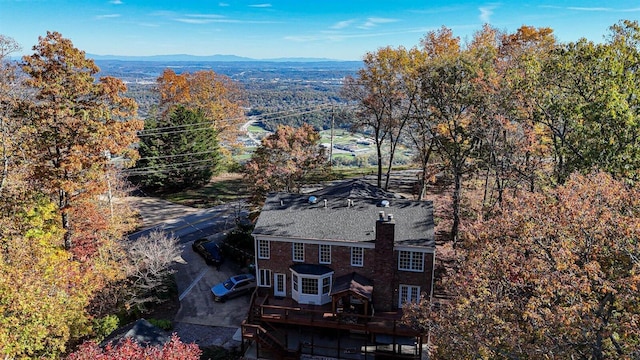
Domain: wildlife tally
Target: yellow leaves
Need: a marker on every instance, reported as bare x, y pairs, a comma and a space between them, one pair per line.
44, 292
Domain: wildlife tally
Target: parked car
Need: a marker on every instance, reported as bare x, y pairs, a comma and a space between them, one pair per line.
234, 286
209, 250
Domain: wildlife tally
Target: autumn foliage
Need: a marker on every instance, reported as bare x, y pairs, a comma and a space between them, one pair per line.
59, 223
215, 95
553, 274
128, 349
73, 123
284, 161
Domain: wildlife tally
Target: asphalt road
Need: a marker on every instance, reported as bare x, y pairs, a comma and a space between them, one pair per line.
202, 223
199, 319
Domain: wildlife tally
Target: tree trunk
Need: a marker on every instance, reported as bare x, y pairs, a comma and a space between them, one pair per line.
379, 153
424, 162
457, 179
63, 203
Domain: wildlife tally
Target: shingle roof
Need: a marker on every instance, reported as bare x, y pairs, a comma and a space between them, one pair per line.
311, 269
355, 283
142, 331
293, 216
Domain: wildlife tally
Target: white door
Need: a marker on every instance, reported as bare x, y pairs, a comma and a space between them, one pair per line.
279, 288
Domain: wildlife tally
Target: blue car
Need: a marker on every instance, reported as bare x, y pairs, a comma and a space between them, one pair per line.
234, 286
209, 250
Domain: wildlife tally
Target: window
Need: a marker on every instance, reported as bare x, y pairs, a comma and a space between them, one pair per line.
325, 254
411, 261
295, 282
264, 278
408, 293
326, 285
357, 256
298, 252
263, 249
309, 286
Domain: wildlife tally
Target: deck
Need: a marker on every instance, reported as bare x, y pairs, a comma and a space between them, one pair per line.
267, 308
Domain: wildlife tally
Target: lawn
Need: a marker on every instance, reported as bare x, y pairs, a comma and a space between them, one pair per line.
221, 189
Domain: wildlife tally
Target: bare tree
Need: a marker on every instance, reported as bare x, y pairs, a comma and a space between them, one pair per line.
8, 95
150, 267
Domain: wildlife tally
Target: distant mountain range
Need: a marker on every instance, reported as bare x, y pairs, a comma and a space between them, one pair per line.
196, 58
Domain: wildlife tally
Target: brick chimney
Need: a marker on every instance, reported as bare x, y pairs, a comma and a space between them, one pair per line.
385, 263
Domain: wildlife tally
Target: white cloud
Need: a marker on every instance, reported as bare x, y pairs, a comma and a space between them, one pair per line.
214, 18
598, 9
485, 13
116, 2
260, 5
107, 16
193, 20
589, 8
337, 36
342, 24
205, 16
223, 4
373, 22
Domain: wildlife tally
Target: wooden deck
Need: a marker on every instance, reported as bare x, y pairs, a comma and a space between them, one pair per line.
286, 311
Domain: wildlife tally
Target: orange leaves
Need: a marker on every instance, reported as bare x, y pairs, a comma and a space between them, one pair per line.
73, 121
440, 42
217, 96
557, 269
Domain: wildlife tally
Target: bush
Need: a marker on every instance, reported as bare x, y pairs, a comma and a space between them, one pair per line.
163, 324
105, 326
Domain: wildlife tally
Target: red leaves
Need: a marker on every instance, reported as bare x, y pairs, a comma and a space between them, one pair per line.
284, 160
128, 349
555, 271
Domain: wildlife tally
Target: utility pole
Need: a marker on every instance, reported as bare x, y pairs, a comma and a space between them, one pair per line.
331, 144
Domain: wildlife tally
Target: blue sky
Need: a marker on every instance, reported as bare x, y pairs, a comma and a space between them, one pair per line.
264, 29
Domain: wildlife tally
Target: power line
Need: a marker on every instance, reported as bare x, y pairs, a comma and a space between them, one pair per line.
143, 170
203, 125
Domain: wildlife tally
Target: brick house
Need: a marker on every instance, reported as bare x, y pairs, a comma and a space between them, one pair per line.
349, 249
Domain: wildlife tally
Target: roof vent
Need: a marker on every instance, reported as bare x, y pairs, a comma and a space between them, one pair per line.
381, 215
390, 217
313, 199
384, 203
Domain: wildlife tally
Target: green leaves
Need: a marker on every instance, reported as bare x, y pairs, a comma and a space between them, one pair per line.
177, 151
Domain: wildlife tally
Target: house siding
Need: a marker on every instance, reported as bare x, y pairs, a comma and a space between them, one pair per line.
282, 258
421, 279
384, 273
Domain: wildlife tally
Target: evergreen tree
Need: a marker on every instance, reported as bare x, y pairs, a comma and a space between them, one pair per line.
176, 152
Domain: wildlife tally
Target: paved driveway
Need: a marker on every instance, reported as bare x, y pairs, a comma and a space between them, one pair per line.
199, 319
195, 279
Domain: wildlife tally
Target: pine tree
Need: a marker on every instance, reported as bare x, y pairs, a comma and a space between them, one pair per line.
177, 152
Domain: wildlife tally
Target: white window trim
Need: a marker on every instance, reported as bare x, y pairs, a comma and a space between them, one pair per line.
264, 278
412, 255
296, 251
276, 282
318, 298
361, 264
267, 247
320, 253
411, 290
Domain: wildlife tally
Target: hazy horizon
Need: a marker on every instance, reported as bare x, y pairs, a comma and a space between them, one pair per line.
337, 30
